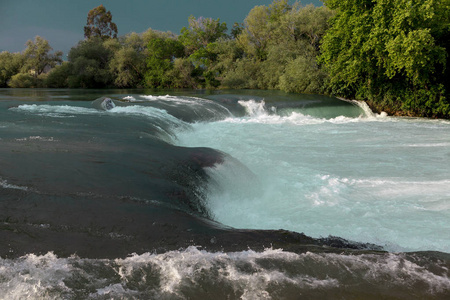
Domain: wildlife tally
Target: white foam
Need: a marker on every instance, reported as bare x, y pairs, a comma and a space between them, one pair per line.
254, 108
5, 185
176, 267
396, 269
37, 138
33, 277
129, 98
60, 111
366, 109
63, 110
359, 180
248, 274
429, 145
258, 113
114, 291
150, 112
295, 118
176, 99
151, 97
199, 106
70, 111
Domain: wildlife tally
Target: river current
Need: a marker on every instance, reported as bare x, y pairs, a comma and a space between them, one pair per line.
197, 195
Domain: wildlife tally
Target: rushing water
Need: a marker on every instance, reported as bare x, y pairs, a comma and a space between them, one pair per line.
193, 187
372, 178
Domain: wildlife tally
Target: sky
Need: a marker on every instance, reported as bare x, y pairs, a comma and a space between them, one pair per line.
61, 22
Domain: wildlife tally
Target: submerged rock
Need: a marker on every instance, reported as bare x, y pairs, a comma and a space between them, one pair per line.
104, 103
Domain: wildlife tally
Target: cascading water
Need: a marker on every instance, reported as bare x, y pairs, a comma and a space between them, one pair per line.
165, 197
365, 178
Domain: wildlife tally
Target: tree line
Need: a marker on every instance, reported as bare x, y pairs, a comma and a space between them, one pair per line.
391, 53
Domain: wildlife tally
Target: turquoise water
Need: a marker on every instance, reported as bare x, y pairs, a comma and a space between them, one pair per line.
143, 197
369, 178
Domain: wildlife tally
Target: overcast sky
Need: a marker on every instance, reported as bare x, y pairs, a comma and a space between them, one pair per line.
61, 22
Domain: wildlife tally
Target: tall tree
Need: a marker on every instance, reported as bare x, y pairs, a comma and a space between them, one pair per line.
259, 27
129, 61
10, 64
100, 24
298, 41
199, 41
201, 32
38, 57
89, 64
393, 53
280, 44
256, 33
162, 53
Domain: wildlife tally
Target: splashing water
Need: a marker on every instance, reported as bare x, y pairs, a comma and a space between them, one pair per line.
324, 176
201, 274
146, 174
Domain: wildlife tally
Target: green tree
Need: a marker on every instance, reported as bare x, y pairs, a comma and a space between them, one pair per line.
226, 53
201, 32
161, 55
58, 76
89, 64
256, 33
297, 43
128, 66
303, 75
243, 74
128, 63
259, 27
37, 56
199, 40
10, 65
303, 27
181, 75
280, 44
392, 53
99, 24
236, 30
23, 80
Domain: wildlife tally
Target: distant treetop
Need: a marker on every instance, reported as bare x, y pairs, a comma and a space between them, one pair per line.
99, 24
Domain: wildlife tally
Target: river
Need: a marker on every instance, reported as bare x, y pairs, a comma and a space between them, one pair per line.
230, 194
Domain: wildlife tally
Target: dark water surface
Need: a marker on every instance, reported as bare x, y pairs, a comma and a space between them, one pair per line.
99, 203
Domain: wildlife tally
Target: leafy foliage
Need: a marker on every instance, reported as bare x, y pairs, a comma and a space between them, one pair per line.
99, 24
27, 69
256, 33
23, 80
162, 53
128, 61
201, 32
393, 53
200, 41
89, 64
303, 75
10, 65
37, 56
58, 76
280, 42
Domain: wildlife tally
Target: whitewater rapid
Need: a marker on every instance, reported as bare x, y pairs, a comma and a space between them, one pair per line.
365, 177
245, 275
370, 178
166, 196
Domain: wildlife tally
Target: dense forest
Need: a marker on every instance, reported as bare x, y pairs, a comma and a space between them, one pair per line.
391, 53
